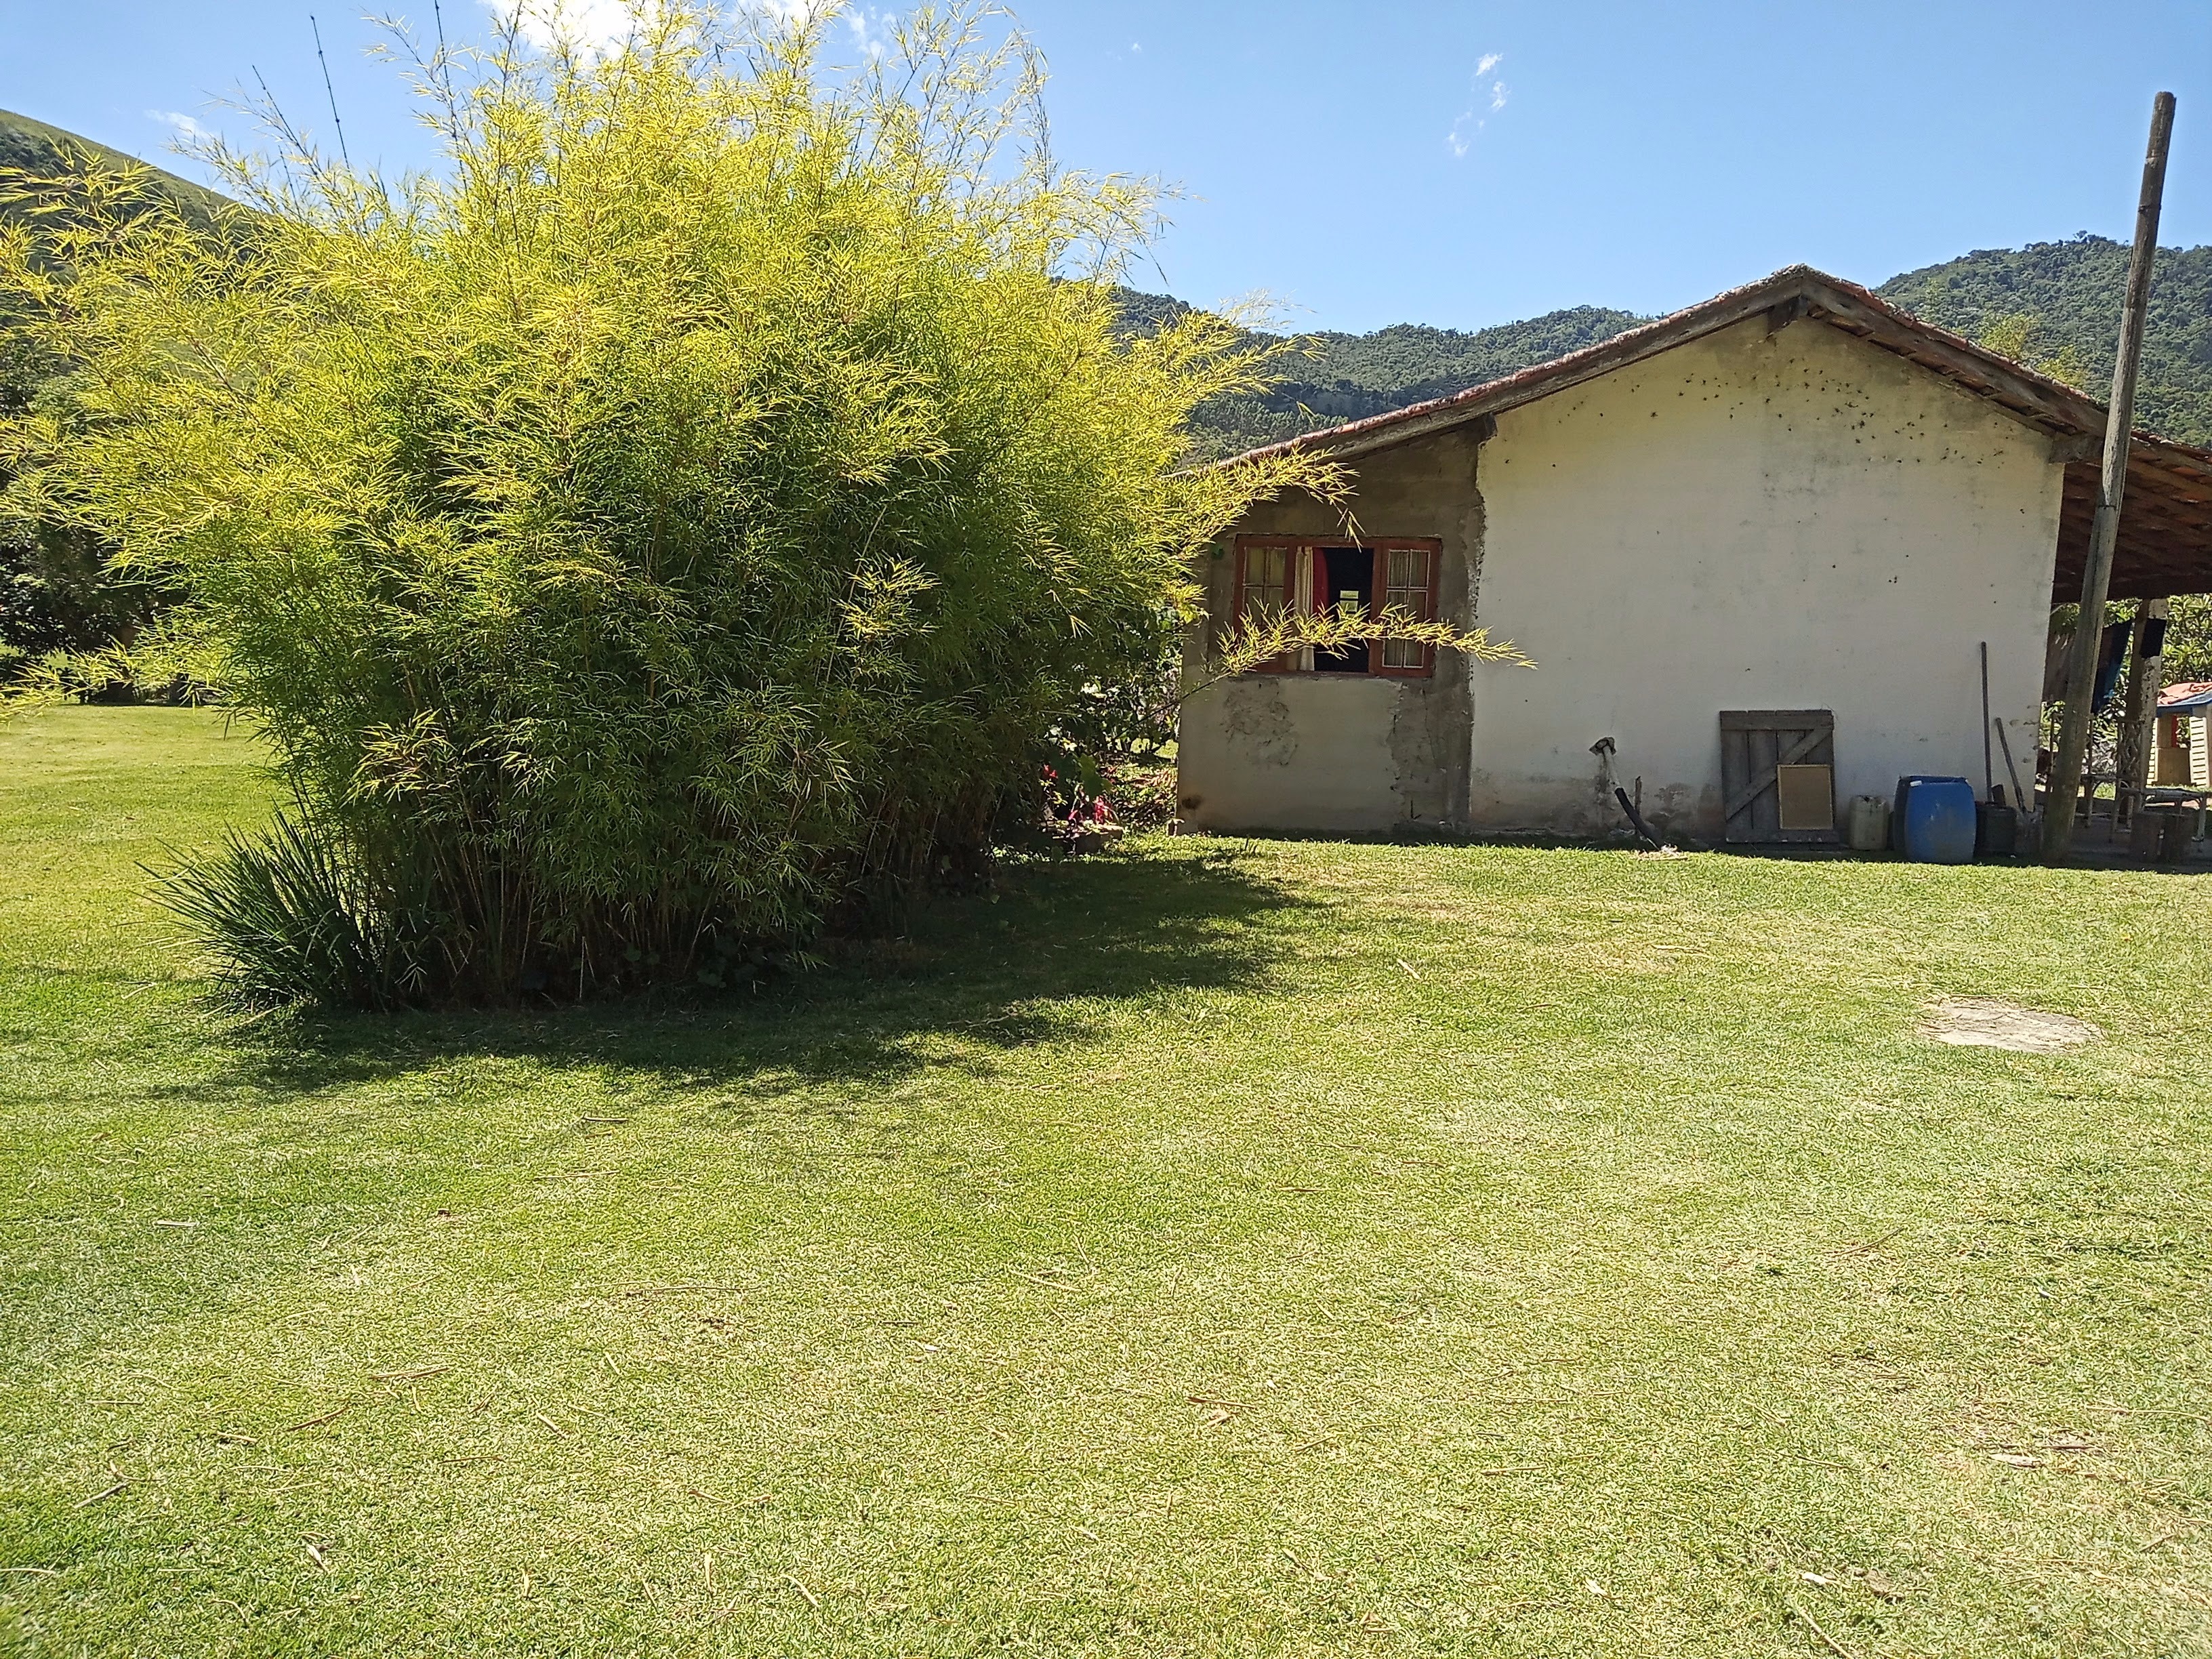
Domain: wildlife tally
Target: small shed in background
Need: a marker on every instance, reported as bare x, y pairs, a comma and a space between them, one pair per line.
2182, 758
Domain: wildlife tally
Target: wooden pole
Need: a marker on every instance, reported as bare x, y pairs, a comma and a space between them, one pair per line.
2105, 529
1988, 771
2146, 675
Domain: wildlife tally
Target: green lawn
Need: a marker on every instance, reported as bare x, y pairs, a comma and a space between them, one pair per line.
1216, 1249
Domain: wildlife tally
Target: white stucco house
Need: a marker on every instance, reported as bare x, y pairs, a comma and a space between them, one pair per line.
1768, 534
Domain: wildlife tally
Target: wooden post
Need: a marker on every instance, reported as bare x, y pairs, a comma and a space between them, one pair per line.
2105, 530
2146, 677
1989, 769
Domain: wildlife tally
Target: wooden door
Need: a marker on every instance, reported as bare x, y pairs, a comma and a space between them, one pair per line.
1760, 806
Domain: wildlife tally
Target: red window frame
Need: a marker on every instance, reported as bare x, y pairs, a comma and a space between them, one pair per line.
1381, 547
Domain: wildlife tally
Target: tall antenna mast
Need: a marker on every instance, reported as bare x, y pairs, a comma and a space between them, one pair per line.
328, 92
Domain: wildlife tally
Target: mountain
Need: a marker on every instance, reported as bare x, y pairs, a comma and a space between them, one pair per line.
2071, 291
2059, 301
1347, 377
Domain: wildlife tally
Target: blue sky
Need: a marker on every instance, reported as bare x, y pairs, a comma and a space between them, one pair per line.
1428, 161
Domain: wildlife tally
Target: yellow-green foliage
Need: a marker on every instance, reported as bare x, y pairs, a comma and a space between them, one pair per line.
2018, 336
679, 519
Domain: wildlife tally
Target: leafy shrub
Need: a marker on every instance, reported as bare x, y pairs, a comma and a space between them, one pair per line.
682, 521
289, 918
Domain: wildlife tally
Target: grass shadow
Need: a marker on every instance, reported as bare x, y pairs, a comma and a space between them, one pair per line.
970, 978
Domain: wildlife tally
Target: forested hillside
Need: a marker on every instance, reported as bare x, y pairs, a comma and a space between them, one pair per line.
2071, 291
2058, 303
1352, 376
1348, 377
2061, 298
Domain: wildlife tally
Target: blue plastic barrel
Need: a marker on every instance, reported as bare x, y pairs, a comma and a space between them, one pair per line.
1934, 823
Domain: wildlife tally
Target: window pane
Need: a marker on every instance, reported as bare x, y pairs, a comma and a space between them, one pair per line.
1265, 583
1407, 589
1408, 582
1266, 596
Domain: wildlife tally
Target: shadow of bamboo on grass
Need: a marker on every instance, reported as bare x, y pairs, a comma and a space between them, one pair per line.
972, 977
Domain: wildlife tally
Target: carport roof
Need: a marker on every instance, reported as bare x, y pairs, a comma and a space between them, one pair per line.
2165, 518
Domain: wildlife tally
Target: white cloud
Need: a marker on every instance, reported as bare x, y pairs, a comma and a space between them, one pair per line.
187, 128
871, 31
597, 27
1461, 138
591, 26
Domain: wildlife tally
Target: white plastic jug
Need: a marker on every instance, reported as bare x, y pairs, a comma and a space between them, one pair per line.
1870, 823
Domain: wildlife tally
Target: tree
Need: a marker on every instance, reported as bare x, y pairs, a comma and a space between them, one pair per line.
60, 591
2018, 336
2188, 639
60, 596
675, 526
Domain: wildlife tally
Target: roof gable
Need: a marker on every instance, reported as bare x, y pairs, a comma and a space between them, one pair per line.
2166, 536
1797, 292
